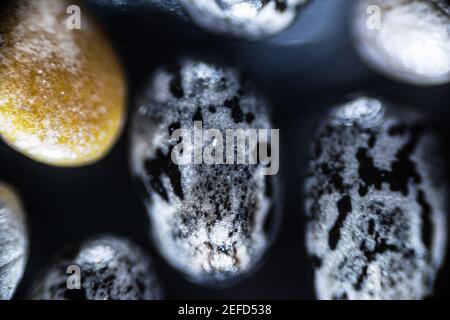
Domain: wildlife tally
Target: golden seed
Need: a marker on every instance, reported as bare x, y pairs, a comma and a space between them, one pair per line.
62, 90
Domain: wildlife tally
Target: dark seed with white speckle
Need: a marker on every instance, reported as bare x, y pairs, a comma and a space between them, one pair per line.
110, 268
208, 220
377, 204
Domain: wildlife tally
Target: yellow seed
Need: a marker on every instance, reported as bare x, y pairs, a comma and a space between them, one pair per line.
62, 90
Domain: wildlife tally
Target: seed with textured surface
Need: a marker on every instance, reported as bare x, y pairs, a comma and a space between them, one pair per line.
251, 19
13, 242
212, 222
407, 40
377, 204
62, 91
111, 269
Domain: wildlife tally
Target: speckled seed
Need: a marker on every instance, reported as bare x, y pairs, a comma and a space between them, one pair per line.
13, 242
377, 204
252, 19
62, 90
212, 222
407, 40
111, 269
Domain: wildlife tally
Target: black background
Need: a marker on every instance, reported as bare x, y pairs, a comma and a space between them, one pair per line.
304, 71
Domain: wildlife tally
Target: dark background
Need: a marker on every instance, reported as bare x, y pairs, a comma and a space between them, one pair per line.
304, 71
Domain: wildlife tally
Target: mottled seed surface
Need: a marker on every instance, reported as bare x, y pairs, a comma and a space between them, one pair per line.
377, 204
212, 222
111, 269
